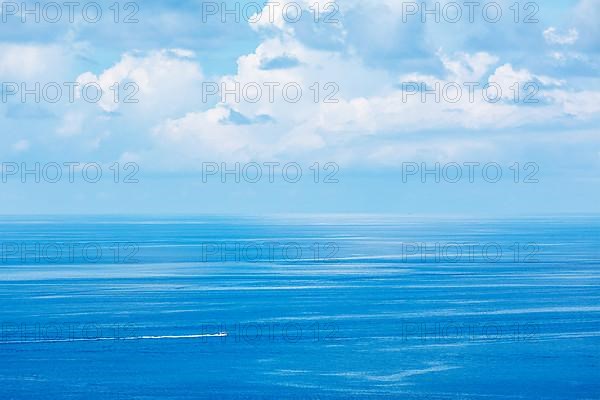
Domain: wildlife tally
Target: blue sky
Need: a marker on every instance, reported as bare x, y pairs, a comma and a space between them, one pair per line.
370, 132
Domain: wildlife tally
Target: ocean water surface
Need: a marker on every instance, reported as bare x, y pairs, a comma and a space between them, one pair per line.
322, 307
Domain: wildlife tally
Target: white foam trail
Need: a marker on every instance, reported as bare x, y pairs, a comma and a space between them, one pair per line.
220, 334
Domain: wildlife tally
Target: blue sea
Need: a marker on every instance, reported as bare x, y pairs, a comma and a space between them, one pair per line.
290, 307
